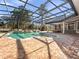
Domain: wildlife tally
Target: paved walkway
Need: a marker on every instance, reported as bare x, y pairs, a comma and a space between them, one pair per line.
69, 44
59, 47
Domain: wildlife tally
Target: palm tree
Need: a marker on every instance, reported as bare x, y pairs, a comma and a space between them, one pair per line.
21, 17
42, 12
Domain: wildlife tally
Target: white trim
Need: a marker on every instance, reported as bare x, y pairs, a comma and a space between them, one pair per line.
77, 30
63, 27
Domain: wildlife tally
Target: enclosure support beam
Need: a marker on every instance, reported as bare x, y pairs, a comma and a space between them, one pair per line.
73, 7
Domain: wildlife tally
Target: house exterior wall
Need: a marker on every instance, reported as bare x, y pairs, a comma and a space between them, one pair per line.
71, 27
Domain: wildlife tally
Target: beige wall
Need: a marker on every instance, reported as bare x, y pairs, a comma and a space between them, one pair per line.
76, 4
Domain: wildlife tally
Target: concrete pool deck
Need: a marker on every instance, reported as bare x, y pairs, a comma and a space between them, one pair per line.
61, 47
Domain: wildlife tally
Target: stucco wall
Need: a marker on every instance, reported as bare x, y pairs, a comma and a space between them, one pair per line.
76, 4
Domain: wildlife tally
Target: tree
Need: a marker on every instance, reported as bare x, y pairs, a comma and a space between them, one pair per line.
6, 21
21, 17
43, 28
42, 10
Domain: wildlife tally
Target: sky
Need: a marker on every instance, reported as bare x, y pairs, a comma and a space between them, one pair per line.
37, 3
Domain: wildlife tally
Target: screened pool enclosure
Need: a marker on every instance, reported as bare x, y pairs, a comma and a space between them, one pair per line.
15, 14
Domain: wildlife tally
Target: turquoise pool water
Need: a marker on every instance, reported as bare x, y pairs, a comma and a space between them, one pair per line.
22, 35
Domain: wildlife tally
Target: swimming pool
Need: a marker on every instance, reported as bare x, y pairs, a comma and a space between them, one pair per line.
22, 35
